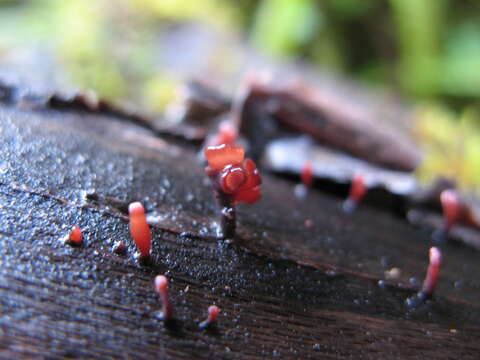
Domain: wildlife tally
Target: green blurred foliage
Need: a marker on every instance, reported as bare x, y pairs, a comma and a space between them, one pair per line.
429, 50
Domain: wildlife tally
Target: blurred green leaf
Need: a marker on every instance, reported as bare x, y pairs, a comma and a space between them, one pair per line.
283, 26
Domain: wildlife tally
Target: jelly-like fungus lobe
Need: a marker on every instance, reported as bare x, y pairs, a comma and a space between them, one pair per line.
358, 188
307, 174
451, 207
232, 179
76, 236
139, 229
220, 156
433, 271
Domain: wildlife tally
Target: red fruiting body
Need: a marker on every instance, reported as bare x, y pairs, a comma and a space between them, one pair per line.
431, 279
451, 207
238, 177
307, 174
227, 134
234, 179
161, 287
358, 188
75, 237
213, 311
433, 271
139, 229
357, 192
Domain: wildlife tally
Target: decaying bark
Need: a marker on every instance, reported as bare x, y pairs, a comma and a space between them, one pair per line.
285, 290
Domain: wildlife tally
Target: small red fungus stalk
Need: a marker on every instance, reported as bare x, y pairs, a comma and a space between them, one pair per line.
213, 311
234, 179
161, 287
452, 208
307, 180
358, 190
431, 278
307, 174
140, 230
75, 238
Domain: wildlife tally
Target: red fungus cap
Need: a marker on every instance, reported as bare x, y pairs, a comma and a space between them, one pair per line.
220, 156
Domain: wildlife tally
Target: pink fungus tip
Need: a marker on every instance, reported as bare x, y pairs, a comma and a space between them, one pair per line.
139, 229
161, 287
213, 311
451, 207
136, 209
307, 174
161, 283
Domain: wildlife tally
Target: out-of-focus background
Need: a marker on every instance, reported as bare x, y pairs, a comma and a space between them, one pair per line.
138, 52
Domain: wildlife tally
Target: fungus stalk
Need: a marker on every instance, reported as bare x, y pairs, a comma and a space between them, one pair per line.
451, 208
161, 287
307, 180
234, 179
357, 193
452, 212
140, 230
431, 278
213, 311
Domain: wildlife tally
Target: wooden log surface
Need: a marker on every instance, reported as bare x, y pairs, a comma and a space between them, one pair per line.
286, 291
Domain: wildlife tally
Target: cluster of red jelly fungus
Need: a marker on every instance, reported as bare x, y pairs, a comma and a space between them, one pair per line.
358, 190
451, 206
307, 174
234, 179
75, 238
140, 230
227, 134
161, 287
431, 278
213, 311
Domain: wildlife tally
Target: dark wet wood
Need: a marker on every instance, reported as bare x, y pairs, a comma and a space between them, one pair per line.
286, 290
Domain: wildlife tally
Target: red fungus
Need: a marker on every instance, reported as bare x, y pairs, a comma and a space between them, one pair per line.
75, 237
234, 179
213, 311
161, 287
307, 174
431, 278
357, 193
139, 229
451, 206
